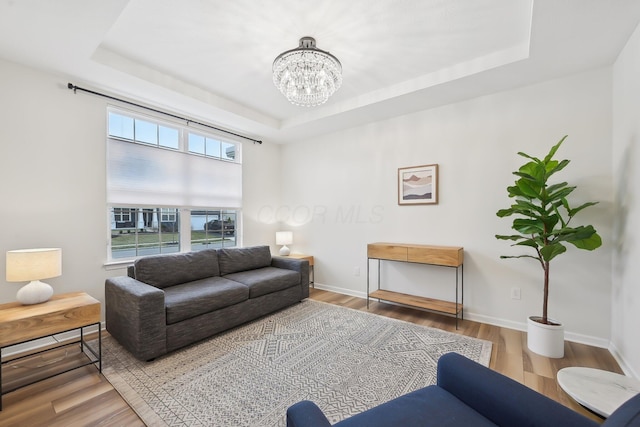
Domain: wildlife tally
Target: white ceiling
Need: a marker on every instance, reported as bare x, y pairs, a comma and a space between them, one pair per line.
211, 59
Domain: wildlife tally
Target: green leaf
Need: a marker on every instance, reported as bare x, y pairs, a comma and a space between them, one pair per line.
504, 212
574, 211
561, 194
535, 159
550, 221
528, 226
529, 242
557, 167
550, 252
512, 237
519, 256
556, 187
534, 171
585, 238
524, 175
514, 191
523, 207
553, 150
527, 189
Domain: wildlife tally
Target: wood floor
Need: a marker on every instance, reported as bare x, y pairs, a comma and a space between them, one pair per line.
83, 397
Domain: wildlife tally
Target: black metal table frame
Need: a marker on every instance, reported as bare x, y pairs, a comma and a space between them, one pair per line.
83, 347
459, 285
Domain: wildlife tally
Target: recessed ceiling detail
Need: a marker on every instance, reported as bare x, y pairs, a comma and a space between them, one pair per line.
397, 56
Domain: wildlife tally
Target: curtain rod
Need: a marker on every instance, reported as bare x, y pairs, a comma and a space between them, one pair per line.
75, 88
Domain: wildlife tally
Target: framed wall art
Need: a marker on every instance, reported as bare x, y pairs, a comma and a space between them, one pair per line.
418, 185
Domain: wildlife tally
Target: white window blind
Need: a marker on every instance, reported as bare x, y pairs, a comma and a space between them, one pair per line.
147, 175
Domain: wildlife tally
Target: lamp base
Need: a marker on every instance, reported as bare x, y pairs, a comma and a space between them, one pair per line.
284, 250
34, 292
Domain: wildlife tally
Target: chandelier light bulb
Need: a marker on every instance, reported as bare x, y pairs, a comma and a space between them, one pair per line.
306, 75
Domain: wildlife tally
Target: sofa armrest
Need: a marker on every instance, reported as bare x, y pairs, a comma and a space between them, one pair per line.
306, 414
627, 415
299, 265
501, 399
136, 317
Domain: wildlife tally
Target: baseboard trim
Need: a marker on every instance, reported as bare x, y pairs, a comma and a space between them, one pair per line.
343, 291
626, 367
495, 321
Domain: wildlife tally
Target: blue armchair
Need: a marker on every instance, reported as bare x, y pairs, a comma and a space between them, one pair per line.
467, 394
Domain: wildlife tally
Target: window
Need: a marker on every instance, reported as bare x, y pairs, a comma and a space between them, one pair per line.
170, 188
213, 229
121, 215
143, 131
144, 232
211, 147
168, 215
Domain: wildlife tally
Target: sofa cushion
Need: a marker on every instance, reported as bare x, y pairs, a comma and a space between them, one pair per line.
202, 296
266, 280
166, 270
233, 260
429, 406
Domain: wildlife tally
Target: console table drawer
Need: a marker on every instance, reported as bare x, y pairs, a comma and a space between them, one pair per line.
437, 255
387, 251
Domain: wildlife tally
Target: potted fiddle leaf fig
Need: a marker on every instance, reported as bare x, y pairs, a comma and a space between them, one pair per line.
544, 225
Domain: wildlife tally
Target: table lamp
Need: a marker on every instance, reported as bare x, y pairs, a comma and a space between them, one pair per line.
284, 238
33, 265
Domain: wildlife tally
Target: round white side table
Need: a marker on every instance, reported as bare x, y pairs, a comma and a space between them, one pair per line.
600, 391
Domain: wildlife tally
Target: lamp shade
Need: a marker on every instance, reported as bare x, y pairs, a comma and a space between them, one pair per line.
33, 264
284, 237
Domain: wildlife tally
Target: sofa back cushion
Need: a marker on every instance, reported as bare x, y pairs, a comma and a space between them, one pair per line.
233, 260
162, 271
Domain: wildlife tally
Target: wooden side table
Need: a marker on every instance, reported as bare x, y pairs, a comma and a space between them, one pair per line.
62, 313
311, 268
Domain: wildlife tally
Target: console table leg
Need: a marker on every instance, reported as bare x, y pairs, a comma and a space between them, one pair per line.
462, 290
368, 262
99, 348
457, 308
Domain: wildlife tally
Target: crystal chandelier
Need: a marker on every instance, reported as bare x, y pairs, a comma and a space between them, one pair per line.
306, 75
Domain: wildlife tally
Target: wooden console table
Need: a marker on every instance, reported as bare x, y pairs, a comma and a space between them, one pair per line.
62, 313
446, 256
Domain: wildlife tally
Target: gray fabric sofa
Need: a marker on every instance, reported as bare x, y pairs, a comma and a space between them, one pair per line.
169, 301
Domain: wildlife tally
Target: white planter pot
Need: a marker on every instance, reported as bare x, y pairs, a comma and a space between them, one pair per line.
545, 340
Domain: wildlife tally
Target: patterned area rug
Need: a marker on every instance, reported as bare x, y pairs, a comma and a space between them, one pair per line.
344, 360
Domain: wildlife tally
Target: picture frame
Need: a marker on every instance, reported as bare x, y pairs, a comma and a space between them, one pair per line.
418, 185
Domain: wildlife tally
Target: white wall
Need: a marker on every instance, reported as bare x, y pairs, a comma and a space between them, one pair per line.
626, 161
338, 192
341, 193
261, 166
52, 170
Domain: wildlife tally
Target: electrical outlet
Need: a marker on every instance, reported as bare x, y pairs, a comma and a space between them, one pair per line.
356, 271
515, 293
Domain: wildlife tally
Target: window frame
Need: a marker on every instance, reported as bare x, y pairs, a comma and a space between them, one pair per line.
182, 213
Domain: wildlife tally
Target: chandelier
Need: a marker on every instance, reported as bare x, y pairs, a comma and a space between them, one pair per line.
306, 75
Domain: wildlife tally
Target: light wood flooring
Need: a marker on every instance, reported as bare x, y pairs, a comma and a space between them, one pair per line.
83, 397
